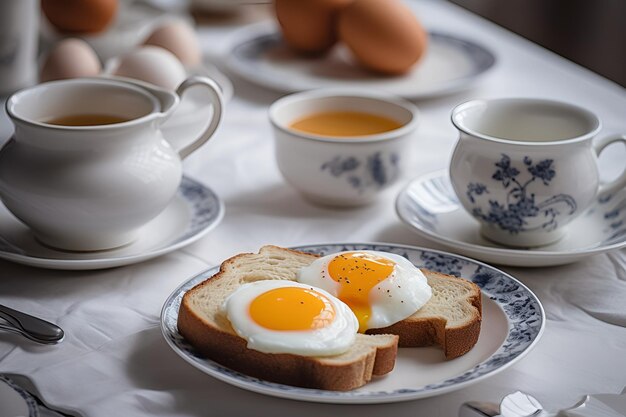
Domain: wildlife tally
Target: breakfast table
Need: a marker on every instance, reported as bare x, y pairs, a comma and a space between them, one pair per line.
114, 359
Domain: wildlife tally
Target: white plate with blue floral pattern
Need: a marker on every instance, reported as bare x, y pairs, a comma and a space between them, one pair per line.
451, 64
513, 321
430, 207
194, 211
15, 401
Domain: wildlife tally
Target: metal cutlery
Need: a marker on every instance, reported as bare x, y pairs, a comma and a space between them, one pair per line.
33, 328
520, 404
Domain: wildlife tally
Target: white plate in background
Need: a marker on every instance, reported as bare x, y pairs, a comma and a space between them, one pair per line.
451, 64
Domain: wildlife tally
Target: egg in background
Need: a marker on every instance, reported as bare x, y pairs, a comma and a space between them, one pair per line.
383, 35
381, 288
309, 26
151, 64
179, 38
70, 58
277, 316
80, 16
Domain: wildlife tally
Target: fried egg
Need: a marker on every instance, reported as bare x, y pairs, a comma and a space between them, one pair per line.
381, 288
277, 316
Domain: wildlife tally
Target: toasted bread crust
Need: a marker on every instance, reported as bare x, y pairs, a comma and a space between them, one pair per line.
217, 340
230, 350
429, 331
309, 372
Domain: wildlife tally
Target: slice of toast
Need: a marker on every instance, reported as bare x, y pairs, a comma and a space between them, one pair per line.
450, 319
206, 327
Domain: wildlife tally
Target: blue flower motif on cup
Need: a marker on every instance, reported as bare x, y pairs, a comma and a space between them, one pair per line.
520, 206
475, 189
338, 165
377, 170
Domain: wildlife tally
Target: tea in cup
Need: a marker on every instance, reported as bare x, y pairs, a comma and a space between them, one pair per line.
342, 147
525, 168
88, 165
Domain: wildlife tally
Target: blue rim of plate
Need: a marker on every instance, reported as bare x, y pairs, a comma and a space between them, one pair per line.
522, 308
249, 46
207, 210
31, 403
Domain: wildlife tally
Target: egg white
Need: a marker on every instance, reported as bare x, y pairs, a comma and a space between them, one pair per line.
399, 296
334, 339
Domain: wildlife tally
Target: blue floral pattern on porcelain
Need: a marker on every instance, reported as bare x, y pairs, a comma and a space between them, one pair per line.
513, 214
521, 307
206, 206
375, 171
29, 400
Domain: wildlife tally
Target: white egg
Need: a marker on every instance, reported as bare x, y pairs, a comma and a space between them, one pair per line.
276, 316
381, 288
70, 58
152, 64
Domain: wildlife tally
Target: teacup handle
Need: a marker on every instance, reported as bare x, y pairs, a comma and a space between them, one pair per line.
619, 182
217, 101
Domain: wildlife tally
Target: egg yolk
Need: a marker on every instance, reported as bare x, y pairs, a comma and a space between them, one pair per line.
292, 308
357, 273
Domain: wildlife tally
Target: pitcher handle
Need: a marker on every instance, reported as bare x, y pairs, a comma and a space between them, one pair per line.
619, 182
218, 103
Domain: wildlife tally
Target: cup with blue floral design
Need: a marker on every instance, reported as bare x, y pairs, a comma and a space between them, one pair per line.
525, 168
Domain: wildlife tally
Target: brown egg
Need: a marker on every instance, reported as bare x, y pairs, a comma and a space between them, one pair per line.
309, 26
79, 16
383, 35
179, 38
70, 58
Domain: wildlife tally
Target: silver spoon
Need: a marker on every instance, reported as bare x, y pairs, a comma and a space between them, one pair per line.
34, 328
520, 404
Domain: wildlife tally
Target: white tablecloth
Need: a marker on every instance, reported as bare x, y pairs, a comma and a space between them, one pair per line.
114, 360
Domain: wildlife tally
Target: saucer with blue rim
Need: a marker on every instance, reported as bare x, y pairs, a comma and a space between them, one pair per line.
193, 212
429, 206
15, 401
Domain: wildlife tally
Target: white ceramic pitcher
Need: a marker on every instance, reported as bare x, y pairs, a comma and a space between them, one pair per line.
86, 188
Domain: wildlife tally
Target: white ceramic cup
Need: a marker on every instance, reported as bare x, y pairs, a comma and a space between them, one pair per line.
86, 188
525, 168
342, 171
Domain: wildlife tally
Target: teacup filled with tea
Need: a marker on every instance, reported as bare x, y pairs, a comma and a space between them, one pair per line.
88, 165
342, 147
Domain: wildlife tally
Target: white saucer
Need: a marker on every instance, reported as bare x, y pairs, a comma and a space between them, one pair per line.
451, 64
194, 211
430, 207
